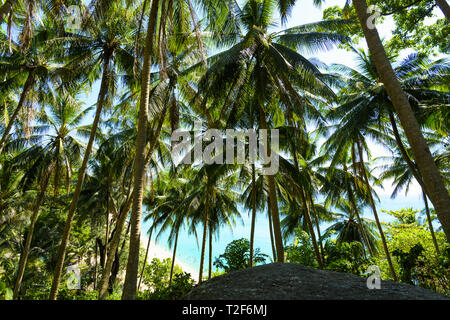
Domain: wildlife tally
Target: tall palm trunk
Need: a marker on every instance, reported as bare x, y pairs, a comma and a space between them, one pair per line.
252, 228
304, 204
146, 257
210, 254
433, 181
445, 8
430, 224
302, 197
316, 219
103, 285
403, 152
26, 90
119, 226
26, 249
272, 242
173, 257
205, 229
416, 175
352, 201
130, 285
107, 220
96, 266
374, 210
273, 200
81, 174
5, 9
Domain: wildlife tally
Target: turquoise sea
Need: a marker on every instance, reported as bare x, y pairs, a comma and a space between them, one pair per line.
188, 250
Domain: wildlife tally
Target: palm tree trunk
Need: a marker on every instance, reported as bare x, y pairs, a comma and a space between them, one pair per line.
273, 201
68, 176
430, 224
354, 206
116, 238
210, 254
433, 181
12, 119
107, 220
445, 8
103, 285
145, 259
56, 178
316, 219
96, 266
374, 209
5, 9
310, 227
403, 152
272, 242
252, 228
202, 256
130, 285
173, 257
26, 249
81, 174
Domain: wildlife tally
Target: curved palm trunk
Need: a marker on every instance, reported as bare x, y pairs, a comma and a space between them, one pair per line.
252, 228
445, 8
26, 249
81, 174
12, 119
145, 259
5, 9
130, 285
430, 224
202, 257
103, 285
173, 258
374, 210
432, 179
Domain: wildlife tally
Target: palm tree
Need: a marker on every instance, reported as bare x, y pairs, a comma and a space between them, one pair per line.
102, 44
56, 153
166, 209
432, 178
400, 171
130, 286
32, 70
268, 65
212, 203
349, 230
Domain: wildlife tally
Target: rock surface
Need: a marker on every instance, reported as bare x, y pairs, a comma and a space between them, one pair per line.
286, 281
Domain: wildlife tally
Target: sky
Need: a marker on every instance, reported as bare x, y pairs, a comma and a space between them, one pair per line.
305, 12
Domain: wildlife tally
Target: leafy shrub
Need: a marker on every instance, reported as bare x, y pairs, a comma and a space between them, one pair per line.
182, 283
237, 256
